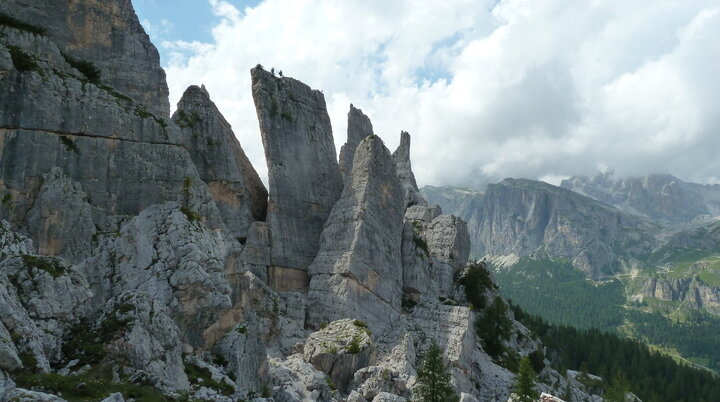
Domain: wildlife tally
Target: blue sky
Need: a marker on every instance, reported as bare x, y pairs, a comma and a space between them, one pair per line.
488, 89
184, 20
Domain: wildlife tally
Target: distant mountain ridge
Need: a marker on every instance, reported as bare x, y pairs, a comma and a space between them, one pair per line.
661, 197
520, 217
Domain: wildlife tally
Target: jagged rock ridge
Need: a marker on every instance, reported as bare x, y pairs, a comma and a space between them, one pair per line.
136, 255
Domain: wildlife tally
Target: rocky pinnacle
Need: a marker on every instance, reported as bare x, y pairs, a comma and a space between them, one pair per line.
232, 181
304, 177
404, 171
359, 127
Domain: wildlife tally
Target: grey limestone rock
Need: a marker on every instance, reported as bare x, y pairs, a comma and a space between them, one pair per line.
340, 349
61, 219
404, 172
178, 260
448, 244
40, 299
231, 179
305, 180
296, 380
359, 127
147, 339
244, 350
122, 156
359, 265
107, 34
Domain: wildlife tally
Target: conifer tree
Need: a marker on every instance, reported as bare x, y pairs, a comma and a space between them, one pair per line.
618, 388
433, 378
525, 382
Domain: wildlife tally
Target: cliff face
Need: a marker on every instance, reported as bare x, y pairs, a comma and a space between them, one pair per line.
142, 253
108, 34
661, 197
521, 217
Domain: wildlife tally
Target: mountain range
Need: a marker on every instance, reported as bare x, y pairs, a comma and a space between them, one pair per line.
634, 249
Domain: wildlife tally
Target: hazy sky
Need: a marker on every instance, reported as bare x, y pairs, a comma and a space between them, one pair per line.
516, 88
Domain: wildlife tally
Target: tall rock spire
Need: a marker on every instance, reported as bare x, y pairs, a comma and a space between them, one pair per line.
232, 181
359, 265
359, 127
304, 177
405, 173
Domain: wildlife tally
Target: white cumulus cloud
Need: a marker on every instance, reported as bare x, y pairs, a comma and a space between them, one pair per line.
531, 88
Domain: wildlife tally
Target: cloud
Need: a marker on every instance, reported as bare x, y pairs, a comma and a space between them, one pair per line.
539, 89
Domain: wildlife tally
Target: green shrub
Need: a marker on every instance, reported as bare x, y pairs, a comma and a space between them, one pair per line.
86, 68
476, 280
421, 243
330, 383
184, 119
537, 359
12, 22
47, 264
191, 215
360, 324
202, 375
69, 143
22, 61
354, 347
493, 327
433, 378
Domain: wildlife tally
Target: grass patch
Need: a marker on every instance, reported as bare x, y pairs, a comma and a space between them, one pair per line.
203, 376
86, 387
22, 61
47, 264
13, 22
711, 278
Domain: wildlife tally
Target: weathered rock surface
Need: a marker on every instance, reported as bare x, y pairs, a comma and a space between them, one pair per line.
40, 299
359, 265
340, 349
116, 155
359, 127
109, 35
305, 180
146, 338
231, 179
404, 172
66, 231
177, 260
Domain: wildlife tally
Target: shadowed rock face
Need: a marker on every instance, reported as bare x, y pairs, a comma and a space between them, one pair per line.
359, 127
232, 181
108, 34
304, 177
359, 265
